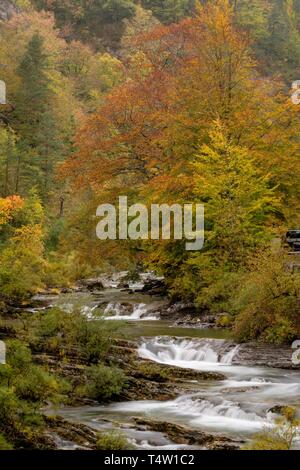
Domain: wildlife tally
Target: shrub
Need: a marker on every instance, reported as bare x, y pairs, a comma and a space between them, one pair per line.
113, 441
4, 445
22, 264
9, 408
56, 330
29, 382
104, 382
36, 386
267, 303
153, 372
281, 437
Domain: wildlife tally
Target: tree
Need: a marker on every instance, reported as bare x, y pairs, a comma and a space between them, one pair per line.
238, 197
142, 22
282, 45
169, 11
96, 21
34, 118
144, 138
8, 161
282, 437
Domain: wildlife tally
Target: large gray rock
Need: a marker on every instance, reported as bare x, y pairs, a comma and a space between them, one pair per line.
259, 354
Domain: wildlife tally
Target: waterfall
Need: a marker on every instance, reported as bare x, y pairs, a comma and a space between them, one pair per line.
228, 357
169, 350
218, 414
119, 311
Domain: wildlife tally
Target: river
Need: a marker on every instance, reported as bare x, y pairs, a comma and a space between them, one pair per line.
237, 407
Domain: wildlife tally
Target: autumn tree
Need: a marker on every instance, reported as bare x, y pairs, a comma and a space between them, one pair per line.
169, 11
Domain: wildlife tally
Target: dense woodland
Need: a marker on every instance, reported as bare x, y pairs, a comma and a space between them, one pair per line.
163, 101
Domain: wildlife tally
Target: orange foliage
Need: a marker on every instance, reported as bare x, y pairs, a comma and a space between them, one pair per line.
193, 73
8, 206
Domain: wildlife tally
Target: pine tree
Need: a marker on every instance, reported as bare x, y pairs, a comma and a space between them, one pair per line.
35, 121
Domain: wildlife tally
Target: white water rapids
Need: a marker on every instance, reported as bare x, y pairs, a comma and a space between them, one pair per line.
238, 406
198, 354
118, 311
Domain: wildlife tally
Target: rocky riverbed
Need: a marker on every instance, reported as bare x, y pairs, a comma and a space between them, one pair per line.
189, 385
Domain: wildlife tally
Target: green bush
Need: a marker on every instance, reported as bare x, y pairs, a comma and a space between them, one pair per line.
28, 381
9, 408
4, 445
267, 302
59, 331
36, 386
113, 441
22, 264
104, 382
281, 437
153, 372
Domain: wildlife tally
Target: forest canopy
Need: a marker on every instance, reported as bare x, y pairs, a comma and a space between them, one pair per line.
164, 101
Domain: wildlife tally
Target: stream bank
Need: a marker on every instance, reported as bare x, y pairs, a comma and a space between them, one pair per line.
181, 379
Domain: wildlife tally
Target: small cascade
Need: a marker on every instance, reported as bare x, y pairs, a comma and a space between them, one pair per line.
198, 354
228, 357
134, 312
219, 414
88, 311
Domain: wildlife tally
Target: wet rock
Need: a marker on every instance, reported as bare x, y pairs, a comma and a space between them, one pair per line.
187, 436
180, 309
165, 373
77, 433
93, 284
155, 287
260, 354
279, 409
140, 389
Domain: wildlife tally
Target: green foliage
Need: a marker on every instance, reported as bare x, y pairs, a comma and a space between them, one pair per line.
28, 381
113, 441
253, 17
4, 444
9, 408
238, 198
281, 437
104, 382
89, 20
22, 264
282, 46
34, 117
168, 11
65, 333
8, 161
36, 386
153, 372
267, 302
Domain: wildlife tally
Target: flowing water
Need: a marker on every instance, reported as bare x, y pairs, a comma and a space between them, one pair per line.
238, 406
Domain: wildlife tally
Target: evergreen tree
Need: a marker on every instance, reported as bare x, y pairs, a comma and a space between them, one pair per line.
35, 120
282, 46
168, 11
